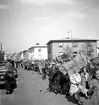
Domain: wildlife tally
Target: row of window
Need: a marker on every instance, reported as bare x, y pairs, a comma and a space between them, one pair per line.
39, 50
74, 44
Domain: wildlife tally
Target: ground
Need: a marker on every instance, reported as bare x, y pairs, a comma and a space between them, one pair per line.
32, 90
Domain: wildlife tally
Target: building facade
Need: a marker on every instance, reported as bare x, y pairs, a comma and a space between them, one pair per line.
57, 47
38, 52
20, 56
26, 55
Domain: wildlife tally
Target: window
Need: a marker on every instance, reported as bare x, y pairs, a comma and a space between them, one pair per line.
75, 53
60, 44
75, 44
39, 50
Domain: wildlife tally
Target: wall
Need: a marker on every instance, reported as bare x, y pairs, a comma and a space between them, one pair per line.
42, 54
55, 49
26, 55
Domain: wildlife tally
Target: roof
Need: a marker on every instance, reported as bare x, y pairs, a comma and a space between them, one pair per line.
25, 51
38, 46
71, 39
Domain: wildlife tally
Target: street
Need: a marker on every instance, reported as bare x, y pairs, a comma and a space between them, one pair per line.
32, 90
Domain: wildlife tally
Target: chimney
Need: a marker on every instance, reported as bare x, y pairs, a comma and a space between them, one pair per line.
67, 37
37, 44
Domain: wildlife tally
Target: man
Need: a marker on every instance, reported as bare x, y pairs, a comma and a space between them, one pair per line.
8, 65
9, 77
52, 71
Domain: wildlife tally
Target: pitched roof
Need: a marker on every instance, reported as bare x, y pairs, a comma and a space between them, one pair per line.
38, 46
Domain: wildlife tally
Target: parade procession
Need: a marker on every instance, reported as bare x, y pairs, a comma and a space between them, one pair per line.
74, 77
49, 52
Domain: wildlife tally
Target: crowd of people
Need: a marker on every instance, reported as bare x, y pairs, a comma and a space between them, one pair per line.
84, 83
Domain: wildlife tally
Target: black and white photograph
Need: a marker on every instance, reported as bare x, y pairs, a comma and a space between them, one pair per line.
49, 52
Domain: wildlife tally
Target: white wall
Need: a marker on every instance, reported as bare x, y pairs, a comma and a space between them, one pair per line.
40, 55
31, 56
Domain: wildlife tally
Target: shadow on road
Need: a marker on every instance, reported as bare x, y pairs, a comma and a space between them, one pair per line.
72, 99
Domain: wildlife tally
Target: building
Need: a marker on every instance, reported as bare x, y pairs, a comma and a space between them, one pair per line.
20, 56
98, 51
38, 52
57, 47
14, 56
5, 57
25, 55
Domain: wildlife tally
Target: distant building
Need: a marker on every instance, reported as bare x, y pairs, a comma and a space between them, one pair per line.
20, 55
38, 52
56, 47
25, 55
14, 56
5, 57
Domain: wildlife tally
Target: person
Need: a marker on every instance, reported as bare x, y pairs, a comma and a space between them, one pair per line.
9, 77
52, 71
95, 97
76, 87
8, 65
84, 81
75, 80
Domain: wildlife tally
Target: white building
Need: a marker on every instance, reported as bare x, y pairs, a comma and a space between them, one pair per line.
38, 52
5, 57
20, 55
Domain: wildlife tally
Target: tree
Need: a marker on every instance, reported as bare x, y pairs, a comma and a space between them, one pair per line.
68, 53
87, 50
2, 55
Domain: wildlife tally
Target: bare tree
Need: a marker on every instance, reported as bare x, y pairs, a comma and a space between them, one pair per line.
87, 50
68, 53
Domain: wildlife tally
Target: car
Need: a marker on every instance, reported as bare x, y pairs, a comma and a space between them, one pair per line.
2, 73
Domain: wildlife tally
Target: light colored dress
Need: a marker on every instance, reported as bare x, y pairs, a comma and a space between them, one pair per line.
75, 79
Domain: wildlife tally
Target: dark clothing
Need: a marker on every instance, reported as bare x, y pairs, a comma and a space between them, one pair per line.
10, 80
9, 76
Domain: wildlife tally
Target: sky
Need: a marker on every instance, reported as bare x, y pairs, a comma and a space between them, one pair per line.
23, 23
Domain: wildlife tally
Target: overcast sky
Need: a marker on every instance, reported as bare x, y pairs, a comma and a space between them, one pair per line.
25, 22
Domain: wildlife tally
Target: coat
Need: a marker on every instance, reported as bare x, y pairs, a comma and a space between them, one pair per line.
95, 97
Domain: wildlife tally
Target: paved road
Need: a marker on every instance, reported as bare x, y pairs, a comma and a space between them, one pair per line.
31, 90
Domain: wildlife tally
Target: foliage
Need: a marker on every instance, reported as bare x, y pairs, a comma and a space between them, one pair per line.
68, 53
2, 55
87, 50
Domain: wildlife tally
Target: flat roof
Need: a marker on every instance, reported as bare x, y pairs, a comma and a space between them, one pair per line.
71, 39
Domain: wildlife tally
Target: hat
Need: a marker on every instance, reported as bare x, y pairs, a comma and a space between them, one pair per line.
97, 72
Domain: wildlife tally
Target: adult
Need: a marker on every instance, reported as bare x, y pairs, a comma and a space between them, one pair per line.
95, 97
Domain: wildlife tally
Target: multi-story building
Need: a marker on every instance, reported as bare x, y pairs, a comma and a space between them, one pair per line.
25, 55
38, 52
58, 47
